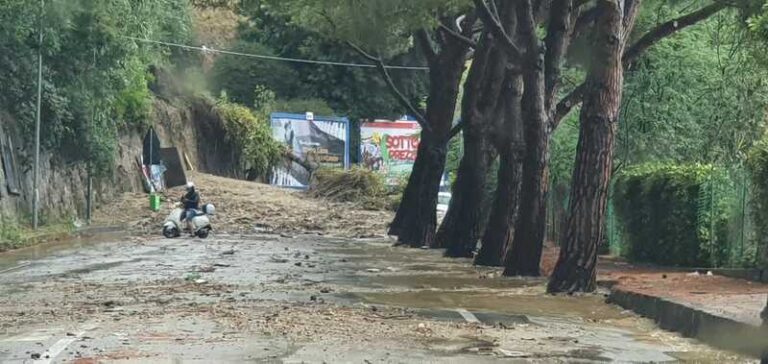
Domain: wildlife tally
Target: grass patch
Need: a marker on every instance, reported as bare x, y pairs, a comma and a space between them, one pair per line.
14, 235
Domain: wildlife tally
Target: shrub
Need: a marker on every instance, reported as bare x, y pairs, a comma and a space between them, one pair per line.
10, 234
251, 133
672, 214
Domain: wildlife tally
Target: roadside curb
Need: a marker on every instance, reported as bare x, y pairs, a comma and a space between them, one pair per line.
718, 331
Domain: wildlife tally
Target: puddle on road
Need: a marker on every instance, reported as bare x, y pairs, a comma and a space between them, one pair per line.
448, 282
587, 307
15, 257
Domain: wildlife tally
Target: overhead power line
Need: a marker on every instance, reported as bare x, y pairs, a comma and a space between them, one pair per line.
275, 58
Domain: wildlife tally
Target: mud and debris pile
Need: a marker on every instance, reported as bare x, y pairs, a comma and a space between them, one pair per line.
362, 187
246, 207
347, 186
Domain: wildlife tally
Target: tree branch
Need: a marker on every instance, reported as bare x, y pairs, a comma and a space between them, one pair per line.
422, 38
584, 21
527, 32
557, 40
580, 3
567, 104
671, 27
467, 41
632, 53
456, 130
303, 163
496, 28
393, 88
631, 10
540, 10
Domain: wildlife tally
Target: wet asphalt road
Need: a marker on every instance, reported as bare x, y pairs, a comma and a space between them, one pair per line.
265, 298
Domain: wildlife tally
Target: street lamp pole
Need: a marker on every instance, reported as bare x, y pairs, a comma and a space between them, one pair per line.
36, 183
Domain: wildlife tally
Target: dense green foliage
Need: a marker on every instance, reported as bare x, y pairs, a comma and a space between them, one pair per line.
300, 106
274, 27
699, 96
251, 133
239, 77
384, 27
670, 215
757, 163
95, 79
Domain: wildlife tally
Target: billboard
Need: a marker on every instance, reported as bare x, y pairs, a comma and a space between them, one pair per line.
390, 148
316, 139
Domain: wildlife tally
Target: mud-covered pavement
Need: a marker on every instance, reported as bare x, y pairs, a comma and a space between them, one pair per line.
264, 298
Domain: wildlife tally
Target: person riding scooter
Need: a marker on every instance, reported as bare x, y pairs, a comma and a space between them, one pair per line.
191, 202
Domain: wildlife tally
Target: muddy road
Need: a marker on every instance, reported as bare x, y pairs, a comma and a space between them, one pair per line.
272, 299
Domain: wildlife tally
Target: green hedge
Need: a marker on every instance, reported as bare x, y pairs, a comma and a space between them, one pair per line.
671, 214
757, 165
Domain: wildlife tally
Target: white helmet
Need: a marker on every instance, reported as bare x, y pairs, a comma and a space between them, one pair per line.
209, 209
190, 185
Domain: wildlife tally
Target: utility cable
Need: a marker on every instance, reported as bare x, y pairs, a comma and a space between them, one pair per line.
275, 58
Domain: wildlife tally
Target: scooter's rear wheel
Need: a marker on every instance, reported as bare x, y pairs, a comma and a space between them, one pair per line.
203, 233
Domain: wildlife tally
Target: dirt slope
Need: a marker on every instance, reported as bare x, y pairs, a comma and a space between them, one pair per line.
244, 207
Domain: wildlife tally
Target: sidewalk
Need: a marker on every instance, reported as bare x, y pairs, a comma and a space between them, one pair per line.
721, 311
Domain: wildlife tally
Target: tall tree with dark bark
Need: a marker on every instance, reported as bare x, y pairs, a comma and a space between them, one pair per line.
584, 228
415, 222
509, 143
541, 86
482, 105
541, 80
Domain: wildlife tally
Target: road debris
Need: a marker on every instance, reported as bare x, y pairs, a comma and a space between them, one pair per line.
244, 206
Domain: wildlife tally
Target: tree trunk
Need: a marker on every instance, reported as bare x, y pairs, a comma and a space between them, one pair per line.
415, 221
764, 316
500, 228
524, 257
584, 229
460, 229
501, 224
410, 199
419, 230
462, 225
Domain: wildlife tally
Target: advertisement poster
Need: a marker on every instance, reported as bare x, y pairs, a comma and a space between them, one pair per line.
390, 148
316, 139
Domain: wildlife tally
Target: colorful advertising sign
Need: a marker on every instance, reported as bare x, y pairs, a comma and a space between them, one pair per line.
390, 148
315, 139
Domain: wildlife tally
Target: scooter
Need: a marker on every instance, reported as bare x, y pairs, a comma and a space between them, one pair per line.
201, 223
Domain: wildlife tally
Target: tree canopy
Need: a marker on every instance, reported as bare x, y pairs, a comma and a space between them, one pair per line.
94, 78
